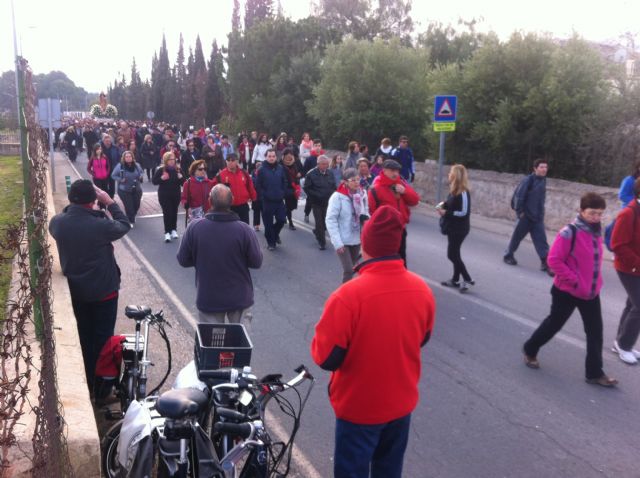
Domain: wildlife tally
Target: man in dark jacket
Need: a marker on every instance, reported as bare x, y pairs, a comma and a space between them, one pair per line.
319, 185
84, 238
272, 186
529, 207
223, 280
309, 163
110, 150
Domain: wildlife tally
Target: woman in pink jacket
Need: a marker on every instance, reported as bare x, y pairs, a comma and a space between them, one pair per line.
576, 259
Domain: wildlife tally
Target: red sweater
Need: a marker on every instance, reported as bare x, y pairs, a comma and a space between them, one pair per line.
196, 194
240, 184
378, 323
386, 195
625, 240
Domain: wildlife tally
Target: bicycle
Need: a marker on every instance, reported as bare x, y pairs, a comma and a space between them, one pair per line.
184, 449
131, 383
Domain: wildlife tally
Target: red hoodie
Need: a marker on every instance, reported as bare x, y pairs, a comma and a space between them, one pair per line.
240, 184
379, 321
385, 195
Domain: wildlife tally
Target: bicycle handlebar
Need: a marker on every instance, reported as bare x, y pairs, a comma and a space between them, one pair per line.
242, 430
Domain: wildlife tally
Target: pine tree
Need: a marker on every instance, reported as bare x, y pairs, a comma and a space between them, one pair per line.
235, 16
215, 92
198, 82
160, 81
136, 101
181, 89
256, 10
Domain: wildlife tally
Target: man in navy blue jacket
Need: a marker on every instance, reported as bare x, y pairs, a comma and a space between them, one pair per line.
404, 155
272, 186
223, 280
529, 207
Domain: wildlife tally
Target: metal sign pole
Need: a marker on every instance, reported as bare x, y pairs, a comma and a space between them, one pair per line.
440, 164
53, 169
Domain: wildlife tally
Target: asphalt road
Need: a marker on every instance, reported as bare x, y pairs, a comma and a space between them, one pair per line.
482, 413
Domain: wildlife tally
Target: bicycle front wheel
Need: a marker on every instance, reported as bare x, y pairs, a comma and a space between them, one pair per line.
109, 451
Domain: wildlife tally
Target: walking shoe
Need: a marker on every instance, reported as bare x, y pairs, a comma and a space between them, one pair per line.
544, 267
465, 286
292, 227
450, 283
306, 218
627, 356
510, 260
257, 228
167, 237
530, 361
174, 234
322, 247
603, 381
271, 248
278, 241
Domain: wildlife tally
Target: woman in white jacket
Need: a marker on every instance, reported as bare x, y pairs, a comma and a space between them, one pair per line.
348, 209
260, 151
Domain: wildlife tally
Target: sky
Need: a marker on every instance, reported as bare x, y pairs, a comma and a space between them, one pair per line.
94, 42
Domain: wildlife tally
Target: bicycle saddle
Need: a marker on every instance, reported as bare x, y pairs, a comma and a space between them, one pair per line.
181, 403
137, 311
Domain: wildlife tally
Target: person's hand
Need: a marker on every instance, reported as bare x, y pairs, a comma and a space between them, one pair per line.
179, 175
102, 197
123, 180
340, 250
400, 189
299, 175
441, 211
164, 176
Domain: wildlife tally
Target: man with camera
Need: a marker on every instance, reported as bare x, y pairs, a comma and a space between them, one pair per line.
389, 188
84, 237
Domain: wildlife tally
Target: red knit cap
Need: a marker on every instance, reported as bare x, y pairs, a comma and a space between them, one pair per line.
381, 235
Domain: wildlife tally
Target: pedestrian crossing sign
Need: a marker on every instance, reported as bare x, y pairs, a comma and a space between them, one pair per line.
445, 108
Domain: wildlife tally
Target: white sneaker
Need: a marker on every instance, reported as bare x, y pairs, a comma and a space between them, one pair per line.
167, 237
174, 234
627, 356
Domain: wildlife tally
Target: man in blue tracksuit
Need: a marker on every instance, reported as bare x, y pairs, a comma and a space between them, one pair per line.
404, 156
272, 186
529, 207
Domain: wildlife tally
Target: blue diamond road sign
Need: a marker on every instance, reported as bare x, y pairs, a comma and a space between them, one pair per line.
445, 108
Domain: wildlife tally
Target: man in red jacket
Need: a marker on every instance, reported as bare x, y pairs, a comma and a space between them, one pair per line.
625, 242
371, 332
391, 189
239, 181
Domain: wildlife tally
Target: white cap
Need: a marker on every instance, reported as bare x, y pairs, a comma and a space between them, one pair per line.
207, 130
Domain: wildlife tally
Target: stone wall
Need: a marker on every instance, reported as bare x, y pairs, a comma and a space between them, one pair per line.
491, 194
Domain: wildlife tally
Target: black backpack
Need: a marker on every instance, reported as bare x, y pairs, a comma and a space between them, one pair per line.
524, 184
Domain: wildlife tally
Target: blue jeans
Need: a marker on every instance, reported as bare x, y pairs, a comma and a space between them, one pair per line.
273, 211
526, 226
376, 448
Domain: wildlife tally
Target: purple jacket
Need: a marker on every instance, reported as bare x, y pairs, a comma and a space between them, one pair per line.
578, 272
222, 248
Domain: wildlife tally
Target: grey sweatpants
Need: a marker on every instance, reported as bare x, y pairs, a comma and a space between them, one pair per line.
629, 327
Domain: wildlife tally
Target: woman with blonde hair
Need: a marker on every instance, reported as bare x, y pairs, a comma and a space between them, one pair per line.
455, 223
168, 178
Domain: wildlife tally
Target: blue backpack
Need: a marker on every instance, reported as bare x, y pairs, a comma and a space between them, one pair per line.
608, 231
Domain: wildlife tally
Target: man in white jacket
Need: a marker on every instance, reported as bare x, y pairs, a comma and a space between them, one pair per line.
348, 209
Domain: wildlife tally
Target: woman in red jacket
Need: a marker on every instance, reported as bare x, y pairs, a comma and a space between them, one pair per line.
195, 192
625, 242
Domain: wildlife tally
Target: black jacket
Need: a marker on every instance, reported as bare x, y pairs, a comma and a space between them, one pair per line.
169, 187
84, 238
319, 186
272, 183
458, 213
187, 159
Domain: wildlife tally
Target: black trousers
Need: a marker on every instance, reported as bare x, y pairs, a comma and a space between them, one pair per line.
169, 204
403, 247
257, 210
96, 322
242, 211
455, 240
319, 215
562, 306
131, 201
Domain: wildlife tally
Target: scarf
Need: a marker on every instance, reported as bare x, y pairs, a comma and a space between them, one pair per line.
594, 229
